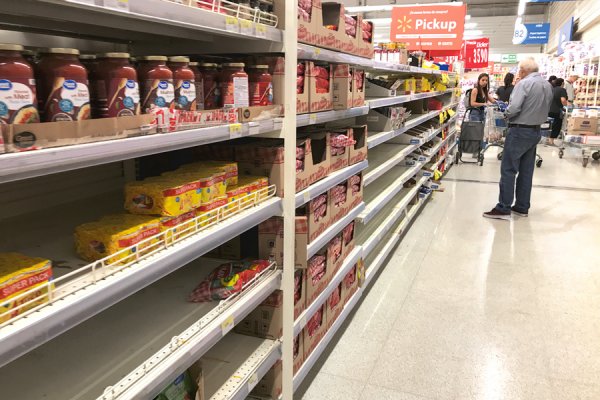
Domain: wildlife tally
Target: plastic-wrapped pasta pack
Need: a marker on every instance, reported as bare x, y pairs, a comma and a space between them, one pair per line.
168, 196
113, 233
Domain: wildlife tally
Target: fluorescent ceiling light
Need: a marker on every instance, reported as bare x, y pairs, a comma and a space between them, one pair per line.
368, 8
470, 25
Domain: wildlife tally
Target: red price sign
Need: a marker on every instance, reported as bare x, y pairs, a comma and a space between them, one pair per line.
476, 53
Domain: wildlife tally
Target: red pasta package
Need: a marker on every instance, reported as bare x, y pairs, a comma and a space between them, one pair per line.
316, 268
355, 183
321, 72
350, 25
319, 205
226, 280
339, 142
339, 194
300, 71
335, 298
367, 29
334, 248
348, 232
297, 286
299, 153
315, 322
359, 80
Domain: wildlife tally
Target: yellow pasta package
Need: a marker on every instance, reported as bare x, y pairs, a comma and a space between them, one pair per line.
166, 196
229, 167
180, 226
19, 274
211, 182
113, 233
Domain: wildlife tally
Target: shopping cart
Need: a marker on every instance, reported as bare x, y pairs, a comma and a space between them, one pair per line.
588, 144
496, 128
470, 139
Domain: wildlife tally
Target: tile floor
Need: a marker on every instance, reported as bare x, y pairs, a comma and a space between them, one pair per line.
470, 308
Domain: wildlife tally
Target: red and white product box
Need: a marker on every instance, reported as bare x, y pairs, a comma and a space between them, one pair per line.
298, 352
358, 87
335, 30
315, 329
335, 255
318, 215
334, 305
365, 38
320, 86
358, 150
355, 190
317, 276
348, 243
342, 87
341, 141
350, 284
340, 201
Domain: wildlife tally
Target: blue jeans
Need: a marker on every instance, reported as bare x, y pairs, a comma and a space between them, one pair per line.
518, 158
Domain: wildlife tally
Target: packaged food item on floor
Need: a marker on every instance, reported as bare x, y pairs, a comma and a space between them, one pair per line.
114, 87
18, 274
113, 233
17, 87
168, 196
62, 86
227, 280
182, 388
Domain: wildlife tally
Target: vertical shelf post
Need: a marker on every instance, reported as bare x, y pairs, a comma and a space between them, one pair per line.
290, 44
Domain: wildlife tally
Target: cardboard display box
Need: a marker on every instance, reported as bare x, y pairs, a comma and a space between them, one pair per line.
317, 99
333, 15
270, 386
318, 215
358, 151
334, 305
298, 353
317, 283
340, 143
24, 137
366, 47
335, 255
339, 201
342, 87
266, 320
384, 119
348, 244
350, 284
270, 241
277, 70
358, 87
582, 125
315, 329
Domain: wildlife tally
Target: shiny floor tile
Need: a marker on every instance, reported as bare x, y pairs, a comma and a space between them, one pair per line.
330, 387
470, 308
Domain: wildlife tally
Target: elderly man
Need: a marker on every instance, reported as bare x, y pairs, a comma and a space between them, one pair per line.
570, 89
528, 109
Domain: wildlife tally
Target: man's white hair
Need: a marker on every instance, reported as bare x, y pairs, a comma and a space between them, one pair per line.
529, 65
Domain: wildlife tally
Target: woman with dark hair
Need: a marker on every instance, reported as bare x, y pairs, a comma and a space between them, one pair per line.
552, 80
559, 101
480, 97
504, 92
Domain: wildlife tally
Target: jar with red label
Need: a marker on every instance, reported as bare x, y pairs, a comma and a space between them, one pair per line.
115, 89
18, 102
211, 90
62, 84
260, 85
199, 83
184, 81
156, 83
234, 85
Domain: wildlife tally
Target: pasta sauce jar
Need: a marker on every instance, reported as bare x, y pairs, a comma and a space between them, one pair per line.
184, 81
260, 86
199, 83
18, 103
234, 85
115, 90
156, 83
62, 85
211, 90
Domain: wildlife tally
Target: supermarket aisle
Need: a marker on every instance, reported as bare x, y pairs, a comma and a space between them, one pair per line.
470, 308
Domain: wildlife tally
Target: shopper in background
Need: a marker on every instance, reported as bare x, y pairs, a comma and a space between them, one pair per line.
504, 92
480, 97
528, 109
559, 101
552, 80
570, 89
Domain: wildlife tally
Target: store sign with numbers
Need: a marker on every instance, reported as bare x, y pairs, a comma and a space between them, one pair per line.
429, 26
531, 33
476, 53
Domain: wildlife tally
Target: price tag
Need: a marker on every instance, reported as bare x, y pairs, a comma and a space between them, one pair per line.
232, 24
261, 31
306, 196
246, 27
317, 51
235, 131
227, 325
252, 382
312, 119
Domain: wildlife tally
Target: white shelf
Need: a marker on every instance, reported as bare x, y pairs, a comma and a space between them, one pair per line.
333, 230
223, 379
381, 191
308, 52
328, 182
347, 265
327, 116
16, 166
372, 233
320, 348
434, 166
384, 252
385, 157
388, 101
155, 330
50, 234
151, 17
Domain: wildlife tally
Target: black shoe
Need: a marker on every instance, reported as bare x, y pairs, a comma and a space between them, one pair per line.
497, 214
519, 212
